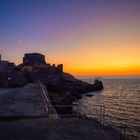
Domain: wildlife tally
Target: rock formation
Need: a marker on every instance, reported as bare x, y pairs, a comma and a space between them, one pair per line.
34, 68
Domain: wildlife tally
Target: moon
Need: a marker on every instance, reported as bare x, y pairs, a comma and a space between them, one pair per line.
19, 41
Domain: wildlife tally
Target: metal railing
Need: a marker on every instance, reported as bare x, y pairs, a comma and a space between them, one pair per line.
77, 111
99, 114
122, 131
49, 109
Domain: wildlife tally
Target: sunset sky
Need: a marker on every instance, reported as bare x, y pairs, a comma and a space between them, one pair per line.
90, 37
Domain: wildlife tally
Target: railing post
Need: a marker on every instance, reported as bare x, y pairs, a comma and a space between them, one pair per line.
124, 132
100, 114
121, 131
77, 114
103, 114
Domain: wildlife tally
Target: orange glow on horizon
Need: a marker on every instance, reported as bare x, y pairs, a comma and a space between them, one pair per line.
101, 52
108, 72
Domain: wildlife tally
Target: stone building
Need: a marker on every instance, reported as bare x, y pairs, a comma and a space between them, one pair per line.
34, 59
60, 68
38, 62
6, 65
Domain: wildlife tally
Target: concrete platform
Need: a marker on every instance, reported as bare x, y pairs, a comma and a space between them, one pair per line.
61, 129
26, 101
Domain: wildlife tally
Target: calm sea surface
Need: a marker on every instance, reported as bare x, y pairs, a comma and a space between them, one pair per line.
121, 98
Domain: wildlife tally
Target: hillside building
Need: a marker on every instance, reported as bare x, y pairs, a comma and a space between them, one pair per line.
34, 59
38, 61
6, 65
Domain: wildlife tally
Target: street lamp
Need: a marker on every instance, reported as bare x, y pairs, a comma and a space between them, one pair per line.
8, 79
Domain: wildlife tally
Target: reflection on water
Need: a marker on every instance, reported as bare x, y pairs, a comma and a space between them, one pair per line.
122, 104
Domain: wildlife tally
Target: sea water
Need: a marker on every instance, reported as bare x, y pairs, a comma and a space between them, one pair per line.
121, 98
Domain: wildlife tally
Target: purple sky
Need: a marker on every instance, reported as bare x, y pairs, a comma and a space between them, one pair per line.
57, 28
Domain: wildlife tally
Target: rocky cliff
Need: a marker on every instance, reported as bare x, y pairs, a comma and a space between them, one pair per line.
34, 68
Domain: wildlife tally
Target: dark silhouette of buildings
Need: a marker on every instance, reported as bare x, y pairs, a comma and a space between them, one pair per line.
38, 62
6, 65
34, 59
32, 62
33, 68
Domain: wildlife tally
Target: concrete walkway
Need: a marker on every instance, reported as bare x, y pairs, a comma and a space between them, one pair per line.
61, 129
26, 101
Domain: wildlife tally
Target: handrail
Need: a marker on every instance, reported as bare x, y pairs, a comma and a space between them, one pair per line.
43, 97
99, 114
50, 111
